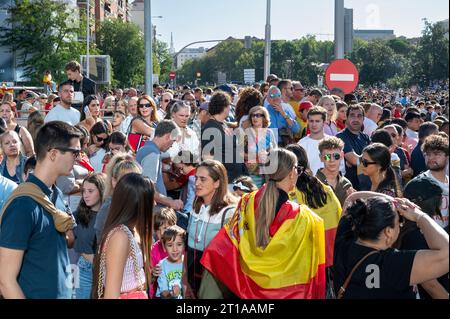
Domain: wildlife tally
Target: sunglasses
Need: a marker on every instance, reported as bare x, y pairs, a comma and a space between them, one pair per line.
328, 157
167, 101
366, 163
257, 115
274, 95
146, 105
75, 151
100, 139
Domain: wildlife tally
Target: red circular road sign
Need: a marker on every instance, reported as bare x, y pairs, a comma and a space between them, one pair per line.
342, 74
172, 75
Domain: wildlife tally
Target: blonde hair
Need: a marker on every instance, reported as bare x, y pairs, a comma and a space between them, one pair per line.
330, 98
266, 120
285, 162
118, 164
16, 136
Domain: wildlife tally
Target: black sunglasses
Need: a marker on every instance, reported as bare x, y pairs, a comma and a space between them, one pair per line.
328, 157
366, 163
258, 115
75, 151
147, 105
100, 139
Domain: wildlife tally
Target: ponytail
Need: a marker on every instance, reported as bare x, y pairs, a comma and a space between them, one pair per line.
266, 213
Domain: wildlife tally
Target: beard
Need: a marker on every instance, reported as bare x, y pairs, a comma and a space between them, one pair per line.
437, 167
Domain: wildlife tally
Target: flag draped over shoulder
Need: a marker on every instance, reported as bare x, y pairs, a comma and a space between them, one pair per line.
292, 265
330, 213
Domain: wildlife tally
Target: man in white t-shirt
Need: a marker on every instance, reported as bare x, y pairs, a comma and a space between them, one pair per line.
435, 149
372, 117
64, 111
316, 121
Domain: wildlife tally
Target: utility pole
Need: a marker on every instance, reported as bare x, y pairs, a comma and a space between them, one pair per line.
339, 29
148, 48
88, 36
268, 44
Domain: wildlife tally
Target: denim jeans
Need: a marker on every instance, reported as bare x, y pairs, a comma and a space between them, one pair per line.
85, 268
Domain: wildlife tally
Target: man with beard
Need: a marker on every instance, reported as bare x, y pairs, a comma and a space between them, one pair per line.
435, 149
354, 142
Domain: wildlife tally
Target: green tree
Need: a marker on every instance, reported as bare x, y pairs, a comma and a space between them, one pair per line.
124, 43
44, 35
163, 60
430, 62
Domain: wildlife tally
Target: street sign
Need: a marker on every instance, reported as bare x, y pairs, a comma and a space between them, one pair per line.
172, 75
249, 76
342, 74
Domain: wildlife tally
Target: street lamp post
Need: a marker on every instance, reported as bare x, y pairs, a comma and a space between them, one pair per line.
88, 36
268, 44
148, 48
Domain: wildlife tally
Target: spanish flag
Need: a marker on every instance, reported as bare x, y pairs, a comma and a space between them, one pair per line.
292, 265
330, 213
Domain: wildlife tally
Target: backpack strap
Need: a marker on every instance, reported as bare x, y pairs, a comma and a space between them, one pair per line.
349, 277
17, 129
62, 220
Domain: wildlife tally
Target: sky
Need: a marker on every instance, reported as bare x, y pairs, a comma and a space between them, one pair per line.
197, 20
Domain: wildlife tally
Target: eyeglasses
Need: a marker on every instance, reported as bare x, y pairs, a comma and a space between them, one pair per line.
275, 95
328, 157
366, 163
75, 151
146, 105
100, 139
258, 115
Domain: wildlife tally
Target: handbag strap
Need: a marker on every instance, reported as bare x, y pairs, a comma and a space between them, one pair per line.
133, 254
349, 277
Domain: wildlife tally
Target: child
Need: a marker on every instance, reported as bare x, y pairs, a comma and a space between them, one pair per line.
163, 219
169, 282
186, 162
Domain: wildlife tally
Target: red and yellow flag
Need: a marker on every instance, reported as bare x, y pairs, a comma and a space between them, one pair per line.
292, 265
330, 213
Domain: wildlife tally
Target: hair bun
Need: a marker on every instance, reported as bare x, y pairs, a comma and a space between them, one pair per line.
357, 213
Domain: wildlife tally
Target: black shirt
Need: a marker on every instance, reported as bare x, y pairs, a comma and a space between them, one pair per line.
224, 148
415, 240
87, 86
394, 268
353, 143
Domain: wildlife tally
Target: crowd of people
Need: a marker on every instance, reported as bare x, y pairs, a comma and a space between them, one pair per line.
267, 191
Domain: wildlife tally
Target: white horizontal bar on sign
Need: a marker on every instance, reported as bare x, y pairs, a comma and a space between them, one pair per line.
342, 77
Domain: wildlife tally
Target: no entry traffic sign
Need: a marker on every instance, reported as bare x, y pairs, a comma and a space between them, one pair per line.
172, 75
342, 74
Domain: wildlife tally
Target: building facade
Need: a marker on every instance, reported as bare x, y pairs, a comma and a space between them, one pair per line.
369, 35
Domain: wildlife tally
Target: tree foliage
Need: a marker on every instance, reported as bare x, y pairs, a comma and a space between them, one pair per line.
44, 35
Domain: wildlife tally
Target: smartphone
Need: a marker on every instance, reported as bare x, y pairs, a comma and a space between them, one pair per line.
86, 110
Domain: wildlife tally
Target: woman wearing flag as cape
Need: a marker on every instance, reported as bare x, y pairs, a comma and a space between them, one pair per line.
272, 247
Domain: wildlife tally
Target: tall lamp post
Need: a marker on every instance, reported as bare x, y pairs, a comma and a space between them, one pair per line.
148, 47
88, 36
268, 44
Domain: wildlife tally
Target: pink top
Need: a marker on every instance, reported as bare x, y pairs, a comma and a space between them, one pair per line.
157, 254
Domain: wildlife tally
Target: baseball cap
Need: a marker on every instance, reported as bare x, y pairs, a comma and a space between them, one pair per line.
422, 188
30, 95
305, 105
227, 88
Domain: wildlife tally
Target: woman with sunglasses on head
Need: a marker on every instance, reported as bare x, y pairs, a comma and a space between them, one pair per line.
90, 113
365, 264
142, 127
99, 145
376, 164
257, 141
320, 198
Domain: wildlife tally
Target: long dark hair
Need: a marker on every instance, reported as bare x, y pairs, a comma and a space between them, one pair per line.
87, 100
307, 184
248, 98
84, 212
380, 154
132, 206
100, 128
